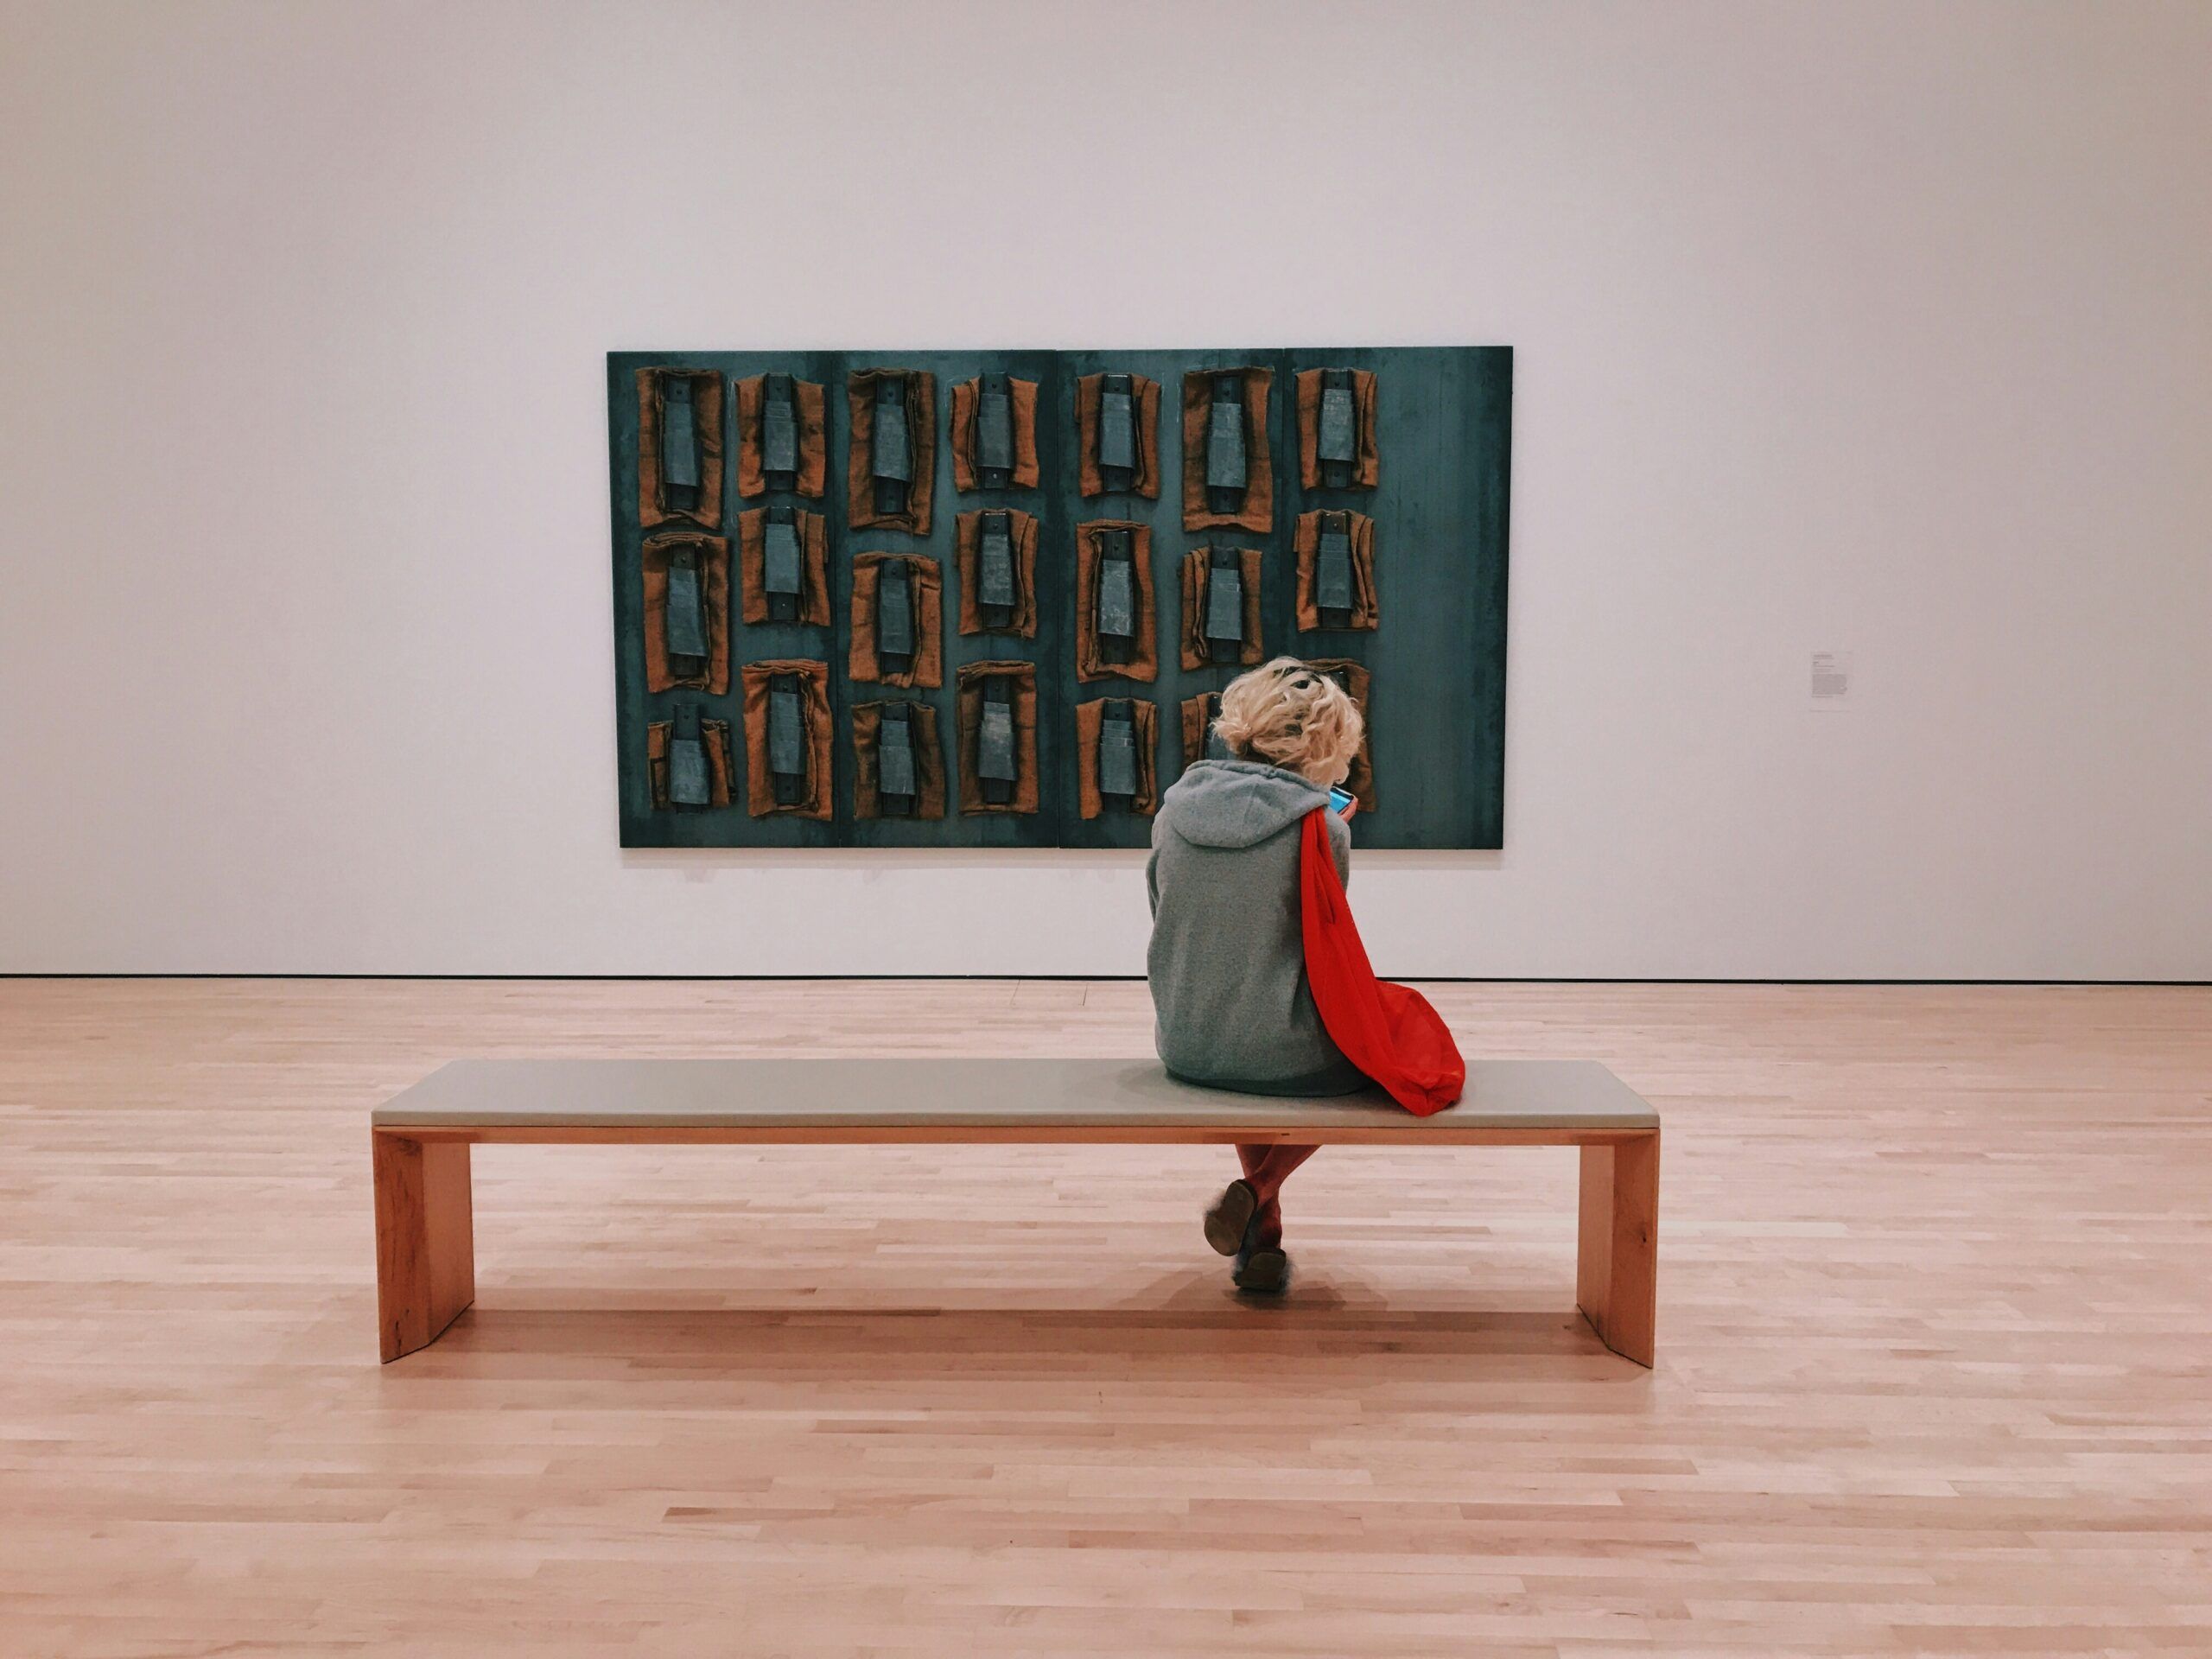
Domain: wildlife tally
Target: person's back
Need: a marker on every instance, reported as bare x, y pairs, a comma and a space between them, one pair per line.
1228, 959
1233, 1009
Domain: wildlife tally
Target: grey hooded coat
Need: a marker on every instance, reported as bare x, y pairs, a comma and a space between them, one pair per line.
1227, 955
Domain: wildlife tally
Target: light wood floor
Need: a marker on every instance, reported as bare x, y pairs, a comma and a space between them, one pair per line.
1934, 1359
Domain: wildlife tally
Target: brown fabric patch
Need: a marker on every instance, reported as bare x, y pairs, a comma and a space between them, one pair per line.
1355, 679
1258, 512
968, 535
921, 423
813, 568
760, 782
706, 421
722, 771
811, 407
929, 762
714, 596
1144, 721
1195, 719
1367, 466
1198, 571
1144, 404
927, 667
971, 677
966, 400
1366, 612
1091, 662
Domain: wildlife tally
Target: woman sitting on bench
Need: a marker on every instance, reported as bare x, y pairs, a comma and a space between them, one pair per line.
1227, 963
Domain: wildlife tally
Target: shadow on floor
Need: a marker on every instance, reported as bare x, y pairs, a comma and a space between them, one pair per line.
1180, 1326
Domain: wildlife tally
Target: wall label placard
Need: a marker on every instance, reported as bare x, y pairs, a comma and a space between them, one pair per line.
1830, 680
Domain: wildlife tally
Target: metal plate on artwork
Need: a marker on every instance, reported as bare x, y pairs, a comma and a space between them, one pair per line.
995, 755
1215, 749
687, 610
1227, 468
779, 428
1117, 600
1225, 604
894, 608
1117, 424
891, 455
994, 426
894, 755
1333, 566
995, 577
779, 557
1334, 441
1117, 753
679, 437
786, 733
687, 773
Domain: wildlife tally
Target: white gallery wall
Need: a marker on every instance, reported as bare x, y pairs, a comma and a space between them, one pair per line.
1881, 329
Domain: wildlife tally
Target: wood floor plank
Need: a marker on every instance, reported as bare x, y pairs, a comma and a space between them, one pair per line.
1936, 1374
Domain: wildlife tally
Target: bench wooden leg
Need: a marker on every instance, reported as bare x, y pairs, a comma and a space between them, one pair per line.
426, 1240
1616, 1272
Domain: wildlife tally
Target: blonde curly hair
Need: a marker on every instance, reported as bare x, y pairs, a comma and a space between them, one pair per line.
1291, 715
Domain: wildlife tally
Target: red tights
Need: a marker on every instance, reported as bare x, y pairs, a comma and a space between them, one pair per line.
1267, 1168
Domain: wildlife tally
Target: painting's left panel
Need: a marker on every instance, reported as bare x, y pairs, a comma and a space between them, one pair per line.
724, 628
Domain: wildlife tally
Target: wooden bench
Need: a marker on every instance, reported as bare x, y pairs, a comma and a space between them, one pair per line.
426, 1261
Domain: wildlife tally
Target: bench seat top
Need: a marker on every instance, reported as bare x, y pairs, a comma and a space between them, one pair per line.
954, 1098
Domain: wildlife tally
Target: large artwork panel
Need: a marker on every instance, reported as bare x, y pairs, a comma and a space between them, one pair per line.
1055, 559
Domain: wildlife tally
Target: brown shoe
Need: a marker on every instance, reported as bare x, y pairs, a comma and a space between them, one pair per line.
1261, 1272
1231, 1218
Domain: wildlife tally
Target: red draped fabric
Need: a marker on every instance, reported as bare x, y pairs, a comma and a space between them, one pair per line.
1387, 1030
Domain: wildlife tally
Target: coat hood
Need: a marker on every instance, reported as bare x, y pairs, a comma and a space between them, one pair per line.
1237, 803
